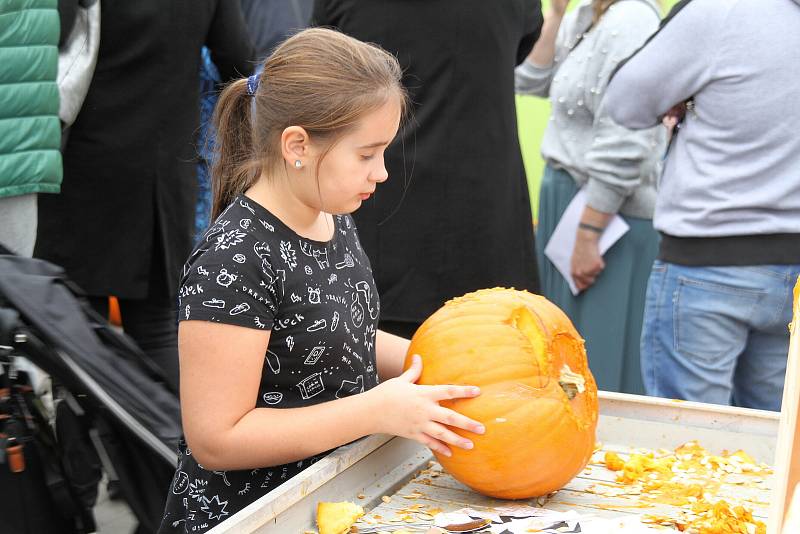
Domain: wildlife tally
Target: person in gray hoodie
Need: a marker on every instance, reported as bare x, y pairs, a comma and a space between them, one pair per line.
615, 166
728, 208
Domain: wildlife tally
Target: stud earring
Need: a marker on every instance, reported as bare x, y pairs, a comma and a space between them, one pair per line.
298, 164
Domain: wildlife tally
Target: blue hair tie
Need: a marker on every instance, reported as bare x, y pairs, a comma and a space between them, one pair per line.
252, 84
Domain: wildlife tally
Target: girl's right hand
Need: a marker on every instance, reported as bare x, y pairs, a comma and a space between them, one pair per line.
412, 411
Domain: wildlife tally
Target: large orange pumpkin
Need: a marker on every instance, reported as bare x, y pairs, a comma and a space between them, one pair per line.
538, 398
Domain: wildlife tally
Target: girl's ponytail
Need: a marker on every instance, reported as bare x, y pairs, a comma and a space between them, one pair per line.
233, 169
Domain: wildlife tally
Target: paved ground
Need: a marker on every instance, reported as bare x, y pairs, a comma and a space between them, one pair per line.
112, 517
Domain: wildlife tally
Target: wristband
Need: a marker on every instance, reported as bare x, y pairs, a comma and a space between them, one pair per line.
590, 227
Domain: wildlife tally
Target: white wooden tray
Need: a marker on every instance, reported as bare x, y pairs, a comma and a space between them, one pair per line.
379, 466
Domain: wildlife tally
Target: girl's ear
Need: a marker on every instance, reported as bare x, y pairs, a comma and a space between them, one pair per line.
295, 146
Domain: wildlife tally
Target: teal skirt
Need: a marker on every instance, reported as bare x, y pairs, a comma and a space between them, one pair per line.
609, 314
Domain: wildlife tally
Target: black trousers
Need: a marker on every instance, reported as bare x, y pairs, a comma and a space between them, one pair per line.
152, 324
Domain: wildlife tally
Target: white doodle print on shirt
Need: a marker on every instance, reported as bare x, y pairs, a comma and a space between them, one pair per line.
369, 337
202, 271
332, 278
350, 387
188, 309
364, 290
321, 256
267, 480
278, 275
294, 298
257, 321
197, 489
244, 224
319, 324
313, 295
356, 311
181, 483
308, 270
229, 239
272, 397
214, 303
290, 342
347, 348
273, 361
197, 253
281, 274
239, 258
225, 279
288, 255
311, 385
347, 262
239, 308
215, 229
335, 321
192, 289
214, 508
340, 299
267, 226
314, 355
294, 320
246, 206
261, 249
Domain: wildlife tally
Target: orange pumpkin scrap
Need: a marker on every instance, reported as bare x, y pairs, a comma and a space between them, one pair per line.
538, 398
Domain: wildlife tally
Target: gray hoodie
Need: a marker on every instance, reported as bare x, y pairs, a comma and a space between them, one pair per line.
734, 167
616, 166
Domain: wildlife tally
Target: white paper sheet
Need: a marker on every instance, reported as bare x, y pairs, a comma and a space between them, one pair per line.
562, 242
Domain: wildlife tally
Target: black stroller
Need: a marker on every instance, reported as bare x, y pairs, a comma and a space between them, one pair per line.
112, 407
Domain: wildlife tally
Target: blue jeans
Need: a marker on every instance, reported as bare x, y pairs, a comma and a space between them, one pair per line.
718, 334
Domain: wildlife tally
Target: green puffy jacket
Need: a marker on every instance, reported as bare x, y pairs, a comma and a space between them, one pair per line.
30, 131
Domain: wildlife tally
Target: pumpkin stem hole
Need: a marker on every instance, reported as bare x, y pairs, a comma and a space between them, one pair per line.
571, 382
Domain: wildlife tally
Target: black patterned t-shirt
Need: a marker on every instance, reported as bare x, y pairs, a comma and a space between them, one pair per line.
320, 302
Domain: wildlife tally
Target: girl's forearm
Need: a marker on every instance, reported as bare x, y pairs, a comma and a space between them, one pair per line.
391, 354
268, 436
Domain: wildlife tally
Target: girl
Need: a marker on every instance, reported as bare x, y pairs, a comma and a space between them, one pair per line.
616, 167
281, 360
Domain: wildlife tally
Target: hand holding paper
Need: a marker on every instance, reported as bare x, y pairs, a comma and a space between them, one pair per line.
561, 246
587, 262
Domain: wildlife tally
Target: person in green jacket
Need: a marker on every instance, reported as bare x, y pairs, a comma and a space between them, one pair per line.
30, 130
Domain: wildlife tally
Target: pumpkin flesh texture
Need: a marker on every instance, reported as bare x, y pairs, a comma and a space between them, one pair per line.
514, 345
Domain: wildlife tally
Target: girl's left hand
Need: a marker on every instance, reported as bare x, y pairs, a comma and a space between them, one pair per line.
587, 263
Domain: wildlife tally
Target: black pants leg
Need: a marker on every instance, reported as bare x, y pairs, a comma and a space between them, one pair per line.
152, 324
